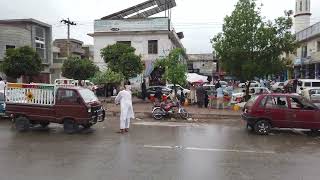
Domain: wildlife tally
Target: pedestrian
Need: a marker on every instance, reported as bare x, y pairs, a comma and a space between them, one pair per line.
114, 91
143, 90
217, 84
193, 94
206, 99
294, 86
200, 97
182, 97
124, 98
2, 85
220, 98
158, 94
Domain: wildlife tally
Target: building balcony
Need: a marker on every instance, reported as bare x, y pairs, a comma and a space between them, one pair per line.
308, 33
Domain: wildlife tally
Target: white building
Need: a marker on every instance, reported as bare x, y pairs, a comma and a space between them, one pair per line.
307, 63
151, 37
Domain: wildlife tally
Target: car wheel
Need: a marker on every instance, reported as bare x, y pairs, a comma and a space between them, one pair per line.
158, 114
22, 124
262, 127
70, 126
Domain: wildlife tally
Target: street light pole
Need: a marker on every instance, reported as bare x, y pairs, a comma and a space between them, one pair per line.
68, 23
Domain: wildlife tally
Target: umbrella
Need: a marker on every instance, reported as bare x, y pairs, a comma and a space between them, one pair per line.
196, 78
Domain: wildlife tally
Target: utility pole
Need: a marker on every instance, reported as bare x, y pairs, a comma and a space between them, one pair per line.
68, 23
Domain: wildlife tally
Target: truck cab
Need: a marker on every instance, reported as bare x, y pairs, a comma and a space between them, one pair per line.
72, 106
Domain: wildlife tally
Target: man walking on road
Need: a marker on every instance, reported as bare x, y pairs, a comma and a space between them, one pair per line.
125, 99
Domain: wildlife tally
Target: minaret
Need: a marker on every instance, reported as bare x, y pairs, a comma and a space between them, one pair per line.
302, 15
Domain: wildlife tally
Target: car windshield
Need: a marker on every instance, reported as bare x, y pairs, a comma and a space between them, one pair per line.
88, 95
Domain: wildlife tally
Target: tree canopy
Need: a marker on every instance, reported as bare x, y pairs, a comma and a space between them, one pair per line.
175, 69
106, 77
78, 69
22, 61
121, 58
251, 47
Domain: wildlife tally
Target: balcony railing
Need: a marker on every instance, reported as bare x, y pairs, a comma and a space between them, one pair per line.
309, 32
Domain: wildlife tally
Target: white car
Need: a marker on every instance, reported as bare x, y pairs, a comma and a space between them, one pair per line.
238, 97
278, 87
252, 84
312, 94
185, 91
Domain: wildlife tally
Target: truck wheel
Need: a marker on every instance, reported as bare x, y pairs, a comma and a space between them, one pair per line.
22, 124
44, 124
86, 126
70, 126
262, 127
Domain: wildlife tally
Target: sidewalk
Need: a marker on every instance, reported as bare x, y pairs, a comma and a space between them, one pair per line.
143, 109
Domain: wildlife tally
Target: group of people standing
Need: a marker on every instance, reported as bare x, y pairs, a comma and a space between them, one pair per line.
204, 98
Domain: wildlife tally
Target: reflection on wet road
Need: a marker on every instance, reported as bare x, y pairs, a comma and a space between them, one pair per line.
163, 151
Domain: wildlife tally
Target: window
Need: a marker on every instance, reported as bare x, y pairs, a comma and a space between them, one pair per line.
153, 46
315, 84
304, 52
307, 84
124, 42
66, 95
263, 102
306, 5
276, 102
40, 34
295, 103
300, 5
296, 6
318, 46
40, 48
10, 47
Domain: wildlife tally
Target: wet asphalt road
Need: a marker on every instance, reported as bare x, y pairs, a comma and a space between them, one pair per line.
163, 151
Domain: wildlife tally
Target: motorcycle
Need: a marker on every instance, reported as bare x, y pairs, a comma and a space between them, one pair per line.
162, 110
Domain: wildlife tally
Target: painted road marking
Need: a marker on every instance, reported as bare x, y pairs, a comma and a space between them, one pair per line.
209, 149
168, 124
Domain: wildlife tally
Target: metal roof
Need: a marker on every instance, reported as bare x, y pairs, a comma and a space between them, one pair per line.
143, 10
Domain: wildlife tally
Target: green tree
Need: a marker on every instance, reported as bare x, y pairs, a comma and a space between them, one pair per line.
120, 58
175, 69
250, 47
107, 77
78, 69
23, 61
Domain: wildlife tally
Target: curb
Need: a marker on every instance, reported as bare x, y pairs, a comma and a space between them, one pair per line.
194, 116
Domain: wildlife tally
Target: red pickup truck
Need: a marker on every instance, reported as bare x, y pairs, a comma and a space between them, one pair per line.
31, 104
281, 111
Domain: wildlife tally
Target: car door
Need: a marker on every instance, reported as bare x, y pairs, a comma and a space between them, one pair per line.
69, 105
302, 116
276, 109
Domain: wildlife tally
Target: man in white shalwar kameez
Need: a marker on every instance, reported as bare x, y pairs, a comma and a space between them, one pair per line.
124, 97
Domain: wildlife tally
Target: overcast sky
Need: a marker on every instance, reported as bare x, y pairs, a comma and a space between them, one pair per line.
200, 20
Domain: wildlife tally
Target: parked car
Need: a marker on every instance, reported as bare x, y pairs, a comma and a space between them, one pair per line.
312, 94
267, 111
277, 87
185, 91
307, 83
239, 97
252, 84
151, 90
